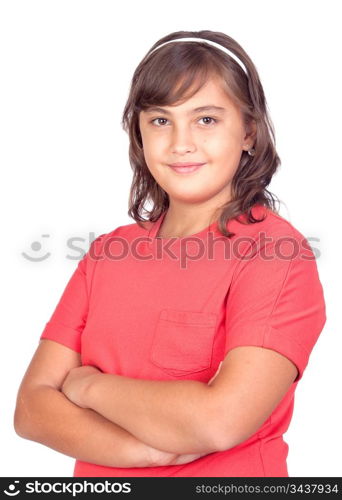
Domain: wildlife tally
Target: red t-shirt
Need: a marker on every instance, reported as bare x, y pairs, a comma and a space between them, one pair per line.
171, 309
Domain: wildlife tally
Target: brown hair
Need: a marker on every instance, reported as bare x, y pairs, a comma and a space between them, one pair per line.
164, 78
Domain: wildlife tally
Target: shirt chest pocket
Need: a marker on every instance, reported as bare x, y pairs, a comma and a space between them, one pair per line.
183, 341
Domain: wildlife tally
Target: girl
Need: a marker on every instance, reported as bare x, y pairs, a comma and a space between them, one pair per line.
178, 343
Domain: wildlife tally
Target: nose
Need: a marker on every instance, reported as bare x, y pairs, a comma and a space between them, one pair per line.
182, 140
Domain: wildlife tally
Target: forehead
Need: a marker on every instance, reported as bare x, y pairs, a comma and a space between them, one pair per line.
212, 97
210, 108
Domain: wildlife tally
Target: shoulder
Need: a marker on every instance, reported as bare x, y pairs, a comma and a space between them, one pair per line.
275, 234
278, 228
272, 221
130, 230
124, 232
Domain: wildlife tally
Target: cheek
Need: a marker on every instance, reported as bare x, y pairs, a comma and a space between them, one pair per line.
226, 142
153, 149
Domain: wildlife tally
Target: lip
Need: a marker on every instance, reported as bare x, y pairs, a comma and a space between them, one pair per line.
185, 168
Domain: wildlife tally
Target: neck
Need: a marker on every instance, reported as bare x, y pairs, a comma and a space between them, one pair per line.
181, 221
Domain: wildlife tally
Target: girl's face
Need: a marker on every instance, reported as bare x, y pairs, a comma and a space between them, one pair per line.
216, 137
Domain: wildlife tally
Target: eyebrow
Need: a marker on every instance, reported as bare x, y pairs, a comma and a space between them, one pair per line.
153, 109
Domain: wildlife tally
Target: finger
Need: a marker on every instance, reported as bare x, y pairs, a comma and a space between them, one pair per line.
217, 372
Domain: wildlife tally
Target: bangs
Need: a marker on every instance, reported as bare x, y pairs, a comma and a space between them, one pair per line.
174, 77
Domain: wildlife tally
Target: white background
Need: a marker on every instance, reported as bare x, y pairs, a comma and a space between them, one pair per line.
66, 67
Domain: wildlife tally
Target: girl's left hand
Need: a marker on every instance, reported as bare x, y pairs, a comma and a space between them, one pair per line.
76, 383
217, 372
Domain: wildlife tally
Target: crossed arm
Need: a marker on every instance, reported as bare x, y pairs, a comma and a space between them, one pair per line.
175, 416
187, 416
138, 419
56, 417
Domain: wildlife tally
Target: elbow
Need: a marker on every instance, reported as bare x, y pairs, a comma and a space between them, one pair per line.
221, 435
21, 421
221, 443
211, 431
224, 440
217, 437
17, 423
227, 437
224, 429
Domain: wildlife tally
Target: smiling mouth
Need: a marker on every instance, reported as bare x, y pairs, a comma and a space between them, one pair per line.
187, 169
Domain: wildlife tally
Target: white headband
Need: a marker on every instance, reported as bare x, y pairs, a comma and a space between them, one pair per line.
217, 45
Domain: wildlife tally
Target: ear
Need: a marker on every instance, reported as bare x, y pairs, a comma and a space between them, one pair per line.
251, 130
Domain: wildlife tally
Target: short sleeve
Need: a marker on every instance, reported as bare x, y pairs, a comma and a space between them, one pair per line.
69, 318
276, 300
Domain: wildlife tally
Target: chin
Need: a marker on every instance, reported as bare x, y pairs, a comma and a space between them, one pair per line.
189, 197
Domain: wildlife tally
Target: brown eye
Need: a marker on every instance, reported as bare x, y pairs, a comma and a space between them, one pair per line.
152, 121
210, 118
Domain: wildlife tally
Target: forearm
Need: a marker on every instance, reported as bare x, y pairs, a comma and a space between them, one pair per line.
48, 417
176, 416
